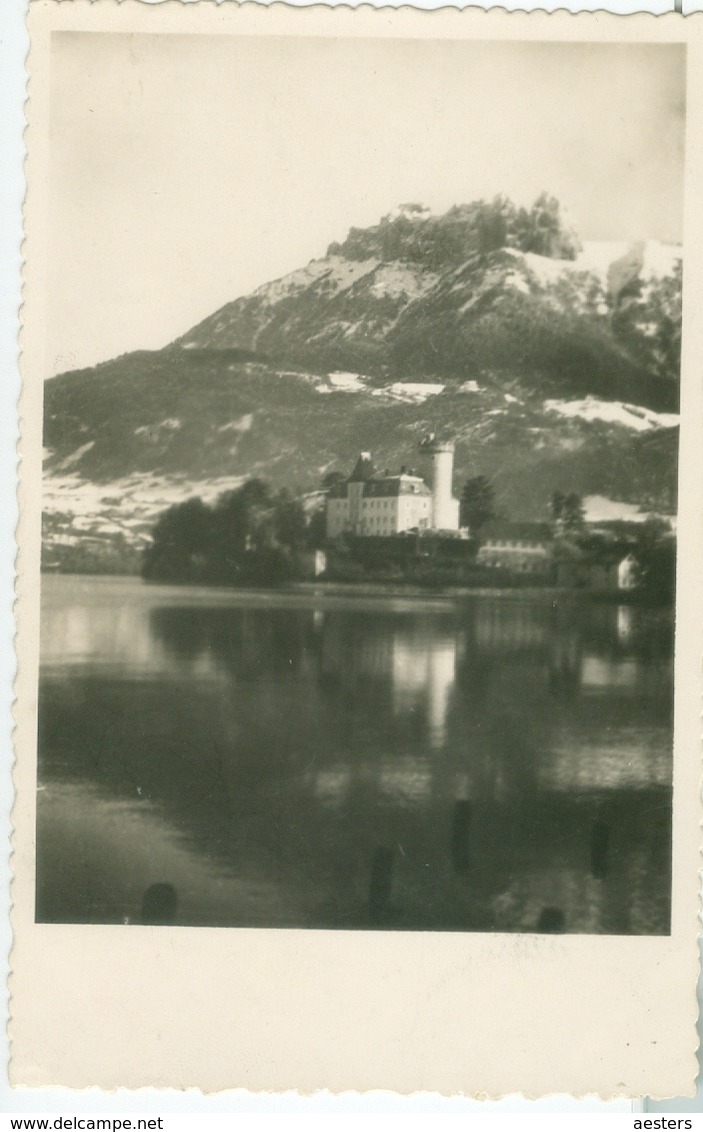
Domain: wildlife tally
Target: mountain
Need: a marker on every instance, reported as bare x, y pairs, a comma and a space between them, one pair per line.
420, 295
555, 370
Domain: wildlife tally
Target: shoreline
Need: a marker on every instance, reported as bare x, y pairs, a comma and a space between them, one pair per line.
380, 590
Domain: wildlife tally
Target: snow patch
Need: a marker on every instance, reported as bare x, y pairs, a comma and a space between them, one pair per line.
470, 387
517, 282
240, 424
74, 457
399, 281
129, 505
547, 271
614, 412
296, 281
335, 273
600, 509
598, 256
347, 382
153, 432
413, 392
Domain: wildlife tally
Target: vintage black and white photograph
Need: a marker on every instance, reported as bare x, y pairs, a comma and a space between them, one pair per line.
359, 513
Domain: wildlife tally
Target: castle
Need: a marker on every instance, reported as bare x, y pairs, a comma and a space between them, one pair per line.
378, 506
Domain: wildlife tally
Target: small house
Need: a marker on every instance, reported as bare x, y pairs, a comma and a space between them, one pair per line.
597, 570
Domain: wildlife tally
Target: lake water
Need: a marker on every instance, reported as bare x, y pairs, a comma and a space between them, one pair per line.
480, 764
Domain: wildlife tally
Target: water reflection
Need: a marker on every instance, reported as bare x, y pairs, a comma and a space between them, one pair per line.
483, 765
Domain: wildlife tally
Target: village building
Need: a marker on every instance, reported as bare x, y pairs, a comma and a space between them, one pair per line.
598, 570
519, 547
628, 573
377, 506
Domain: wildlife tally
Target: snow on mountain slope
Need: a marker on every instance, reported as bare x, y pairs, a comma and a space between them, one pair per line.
414, 392
402, 281
341, 382
420, 296
614, 412
650, 259
331, 309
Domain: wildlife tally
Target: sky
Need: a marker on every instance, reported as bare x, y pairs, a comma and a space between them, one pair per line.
187, 170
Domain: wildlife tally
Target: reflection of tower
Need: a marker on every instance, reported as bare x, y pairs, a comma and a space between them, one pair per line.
423, 672
440, 683
626, 624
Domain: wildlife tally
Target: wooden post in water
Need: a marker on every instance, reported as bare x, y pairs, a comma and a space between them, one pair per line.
159, 904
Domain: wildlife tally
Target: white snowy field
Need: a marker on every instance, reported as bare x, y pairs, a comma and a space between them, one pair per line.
614, 412
127, 506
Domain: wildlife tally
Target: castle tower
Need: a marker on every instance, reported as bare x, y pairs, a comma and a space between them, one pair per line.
445, 509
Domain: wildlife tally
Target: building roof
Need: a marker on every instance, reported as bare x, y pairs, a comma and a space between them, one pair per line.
338, 490
383, 487
376, 486
363, 469
516, 532
395, 485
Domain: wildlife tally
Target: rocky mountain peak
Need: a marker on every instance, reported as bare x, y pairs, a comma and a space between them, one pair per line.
412, 233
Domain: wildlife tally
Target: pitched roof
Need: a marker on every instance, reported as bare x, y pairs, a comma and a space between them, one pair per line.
395, 485
382, 487
338, 490
363, 469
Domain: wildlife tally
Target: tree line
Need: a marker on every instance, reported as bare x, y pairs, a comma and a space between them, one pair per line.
253, 534
477, 507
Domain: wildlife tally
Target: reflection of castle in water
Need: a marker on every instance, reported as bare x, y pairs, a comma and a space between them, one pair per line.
511, 679
411, 661
511, 757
